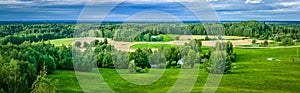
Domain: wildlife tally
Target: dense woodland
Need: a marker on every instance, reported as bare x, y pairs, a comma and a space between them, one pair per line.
23, 64
18, 33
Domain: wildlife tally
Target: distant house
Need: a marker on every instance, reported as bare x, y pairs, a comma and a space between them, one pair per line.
180, 62
153, 37
153, 65
295, 40
202, 61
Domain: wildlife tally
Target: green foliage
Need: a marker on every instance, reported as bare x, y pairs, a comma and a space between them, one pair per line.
131, 67
104, 56
220, 59
287, 42
65, 57
141, 58
77, 44
107, 60
157, 58
43, 84
172, 54
217, 63
161, 66
85, 44
120, 60
48, 62
16, 76
253, 41
190, 59
83, 61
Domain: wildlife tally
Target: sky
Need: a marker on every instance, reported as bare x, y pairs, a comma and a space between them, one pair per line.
225, 10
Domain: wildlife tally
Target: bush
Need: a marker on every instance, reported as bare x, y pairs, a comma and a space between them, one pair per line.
161, 66
48, 62
220, 59
77, 44
83, 61
253, 41
287, 42
145, 70
207, 38
177, 37
138, 69
131, 67
85, 44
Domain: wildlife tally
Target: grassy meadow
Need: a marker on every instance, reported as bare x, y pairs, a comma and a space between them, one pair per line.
251, 72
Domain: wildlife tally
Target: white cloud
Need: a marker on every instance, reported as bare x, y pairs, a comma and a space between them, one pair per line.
253, 1
288, 4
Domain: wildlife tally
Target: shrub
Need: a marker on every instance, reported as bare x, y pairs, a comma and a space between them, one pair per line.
85, 44
77, 44
287, 42
161, 66
83, 61
207, 38
145, 70
253, 41
48, 62
138, 69
131, 67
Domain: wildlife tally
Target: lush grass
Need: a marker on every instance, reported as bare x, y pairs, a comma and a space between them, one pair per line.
59, 42
252, 73
151, 45
168, 37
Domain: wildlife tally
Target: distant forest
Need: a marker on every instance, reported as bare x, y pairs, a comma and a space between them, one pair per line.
18, 33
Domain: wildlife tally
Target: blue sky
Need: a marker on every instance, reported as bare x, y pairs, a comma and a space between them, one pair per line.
226, 10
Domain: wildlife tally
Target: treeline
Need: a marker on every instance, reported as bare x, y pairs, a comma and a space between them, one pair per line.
141, 32
19, 33
262, 31
63, 30
253, 29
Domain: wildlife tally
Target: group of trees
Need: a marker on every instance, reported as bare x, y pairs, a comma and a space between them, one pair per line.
221, 58
19, 33
20, 64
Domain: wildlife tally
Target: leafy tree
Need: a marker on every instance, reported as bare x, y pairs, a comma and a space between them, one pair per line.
253, 41
120, 59
287, 42
85, 44
131, 67
190, 59
78, 44
105, 41
107, 60
141, 58
99, 59
65, 58
157, 58
219, 62
83, 61
43, 84
48, 62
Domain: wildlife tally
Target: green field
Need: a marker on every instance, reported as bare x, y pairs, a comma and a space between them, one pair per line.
251, 73
59, 42
169, 37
